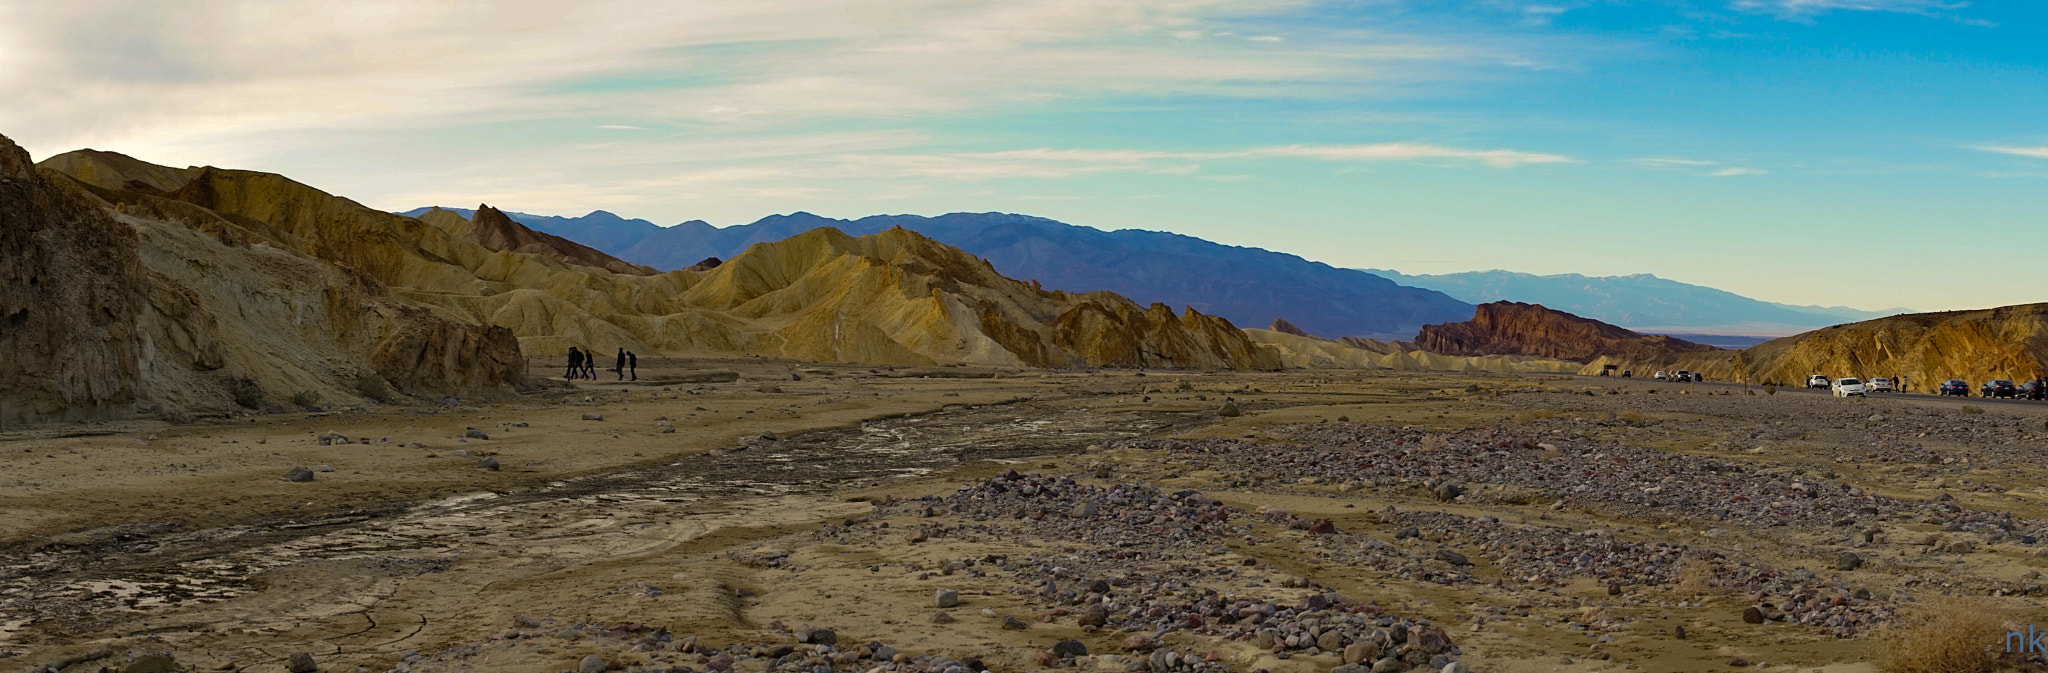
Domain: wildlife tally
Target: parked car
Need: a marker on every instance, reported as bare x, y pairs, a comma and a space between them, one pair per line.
1879, 385
1955, 387
2033, 390
2000, 388
1661, 376
1817, 381
1682, 376
1627, 374
1849, 387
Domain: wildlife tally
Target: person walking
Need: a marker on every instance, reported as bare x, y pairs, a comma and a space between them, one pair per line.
590, 366
621, 366
633, 364
575, 363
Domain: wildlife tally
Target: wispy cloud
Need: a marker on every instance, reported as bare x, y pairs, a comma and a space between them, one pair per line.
620, 127
1413, 151
1671, 162
1737, 171
1805, 9
2040, 152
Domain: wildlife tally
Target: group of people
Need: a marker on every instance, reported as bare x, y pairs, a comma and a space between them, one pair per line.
583, 365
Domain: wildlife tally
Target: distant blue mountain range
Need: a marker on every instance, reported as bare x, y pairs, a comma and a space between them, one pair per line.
1640, 302
1248, 286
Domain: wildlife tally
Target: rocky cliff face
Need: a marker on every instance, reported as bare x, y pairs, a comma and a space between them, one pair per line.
490, 227
70, 293
117, 301
1512, 328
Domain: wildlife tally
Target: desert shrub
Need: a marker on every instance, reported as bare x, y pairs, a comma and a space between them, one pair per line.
305, 398
1343, 419
372, 386
1183, 385
1770, 390
246, 392
1695, 579
1629, 417
1472, 388
1973, 409
1946, 634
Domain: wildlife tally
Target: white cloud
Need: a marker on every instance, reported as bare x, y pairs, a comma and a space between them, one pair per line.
620, 127
1411, 152
1737, 172
2040, 152
1805, 9
1671, 162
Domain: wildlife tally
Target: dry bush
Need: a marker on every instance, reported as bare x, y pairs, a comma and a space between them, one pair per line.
1695, 579
1946, 635
1629, 417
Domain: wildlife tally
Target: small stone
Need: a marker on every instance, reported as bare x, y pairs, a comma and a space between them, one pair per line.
301, 662
1848, 561
1350, 668
1388, 665
1070, 648
1451, 557
1448, 491
1678, 632
299, 474
943, 617
593, 417
1086, 510
1136, 641
1229, 410
1330, 641
146, 662
1360, 652
474, 433
1753, 615
1457, 667
824, 637
947, 598
325, 468
591, 664
488, 464
1014, 624
1322, 527
915, 537
1738, 661
1095, 615
1045, 659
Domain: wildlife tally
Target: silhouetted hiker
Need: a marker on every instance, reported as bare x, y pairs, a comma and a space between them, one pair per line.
590, 366
575, 363
633, 364
621, 367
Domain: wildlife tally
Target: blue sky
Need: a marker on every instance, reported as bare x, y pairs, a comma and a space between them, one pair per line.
1872, 153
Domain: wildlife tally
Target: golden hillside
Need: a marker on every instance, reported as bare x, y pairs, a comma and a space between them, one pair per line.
139, 304
2009, 342
891, 298
1354, 353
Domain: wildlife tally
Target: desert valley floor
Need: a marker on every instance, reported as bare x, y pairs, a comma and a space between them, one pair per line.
839, 518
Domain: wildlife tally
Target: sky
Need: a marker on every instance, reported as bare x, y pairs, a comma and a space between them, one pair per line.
1869, 153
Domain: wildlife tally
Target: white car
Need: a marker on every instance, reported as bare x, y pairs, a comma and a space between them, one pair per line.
1847, 387
1879, 385
1661, 376
1817, 381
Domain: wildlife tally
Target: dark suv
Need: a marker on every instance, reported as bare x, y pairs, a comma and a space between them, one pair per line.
1956, 387
2033, 390
2000, 388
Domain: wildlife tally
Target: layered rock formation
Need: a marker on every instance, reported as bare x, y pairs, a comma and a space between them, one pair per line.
2009, 342
1303, 351
1512, 328
116, 300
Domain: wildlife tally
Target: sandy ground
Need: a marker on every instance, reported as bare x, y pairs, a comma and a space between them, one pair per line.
791, 497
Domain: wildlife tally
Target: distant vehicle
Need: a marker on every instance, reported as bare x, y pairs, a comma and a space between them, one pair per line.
1817, 381
1955, 387
1627, 374
2034, 390
2000, 388
1661, 376
1849, 387
1879, 385
1683, 376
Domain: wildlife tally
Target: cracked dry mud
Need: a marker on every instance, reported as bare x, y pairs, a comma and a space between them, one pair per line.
1114, 511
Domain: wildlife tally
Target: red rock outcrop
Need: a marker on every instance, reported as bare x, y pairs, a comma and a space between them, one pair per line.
492, 228
1514, 328
1282, 326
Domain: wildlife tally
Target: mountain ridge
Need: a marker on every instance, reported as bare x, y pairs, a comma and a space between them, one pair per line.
1246, 285
1642, 301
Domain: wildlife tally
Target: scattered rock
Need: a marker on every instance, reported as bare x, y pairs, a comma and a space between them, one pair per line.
1230, 410
593, 417
1752, 615
301, 662
1848, 561
139, 661
947, 598
1014, 624
299, 474
488, 464
943, 617
591, 664
1070, 648
1451, 557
